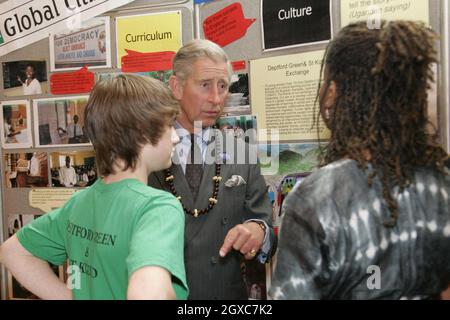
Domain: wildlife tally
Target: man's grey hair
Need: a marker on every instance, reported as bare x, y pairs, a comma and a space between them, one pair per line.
193, 50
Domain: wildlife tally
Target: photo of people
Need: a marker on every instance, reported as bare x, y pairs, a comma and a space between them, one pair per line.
239, 126
26, 170
73, 169
161, 75
24, 77
238, 101
16, 129
60, 122
88, 46
15, 290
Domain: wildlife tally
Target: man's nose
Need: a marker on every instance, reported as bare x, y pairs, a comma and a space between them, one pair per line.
215, 96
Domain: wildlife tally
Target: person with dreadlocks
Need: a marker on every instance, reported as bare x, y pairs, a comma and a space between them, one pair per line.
374, 221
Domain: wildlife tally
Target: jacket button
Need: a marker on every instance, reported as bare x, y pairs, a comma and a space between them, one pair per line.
224, 220
213, 260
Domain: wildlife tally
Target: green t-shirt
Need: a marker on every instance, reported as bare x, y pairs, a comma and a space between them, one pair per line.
107, 232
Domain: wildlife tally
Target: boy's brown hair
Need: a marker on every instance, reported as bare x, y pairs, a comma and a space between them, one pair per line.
123, 114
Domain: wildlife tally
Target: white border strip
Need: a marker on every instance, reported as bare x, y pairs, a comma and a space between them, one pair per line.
446, 67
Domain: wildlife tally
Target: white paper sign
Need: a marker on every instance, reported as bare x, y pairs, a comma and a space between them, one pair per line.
23, 22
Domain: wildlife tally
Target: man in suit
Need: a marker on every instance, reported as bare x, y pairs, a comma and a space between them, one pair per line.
228, 213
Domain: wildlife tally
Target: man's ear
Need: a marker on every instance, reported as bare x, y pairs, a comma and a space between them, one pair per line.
176, 86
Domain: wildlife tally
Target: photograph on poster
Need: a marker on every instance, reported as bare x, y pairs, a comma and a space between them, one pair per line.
16, 129
73, 168
15, 290
254, 275
286, 185
88, 46
292, 23
24, 77
26, 170
291, 158
162, 75
238, 101
239, 126
59, 121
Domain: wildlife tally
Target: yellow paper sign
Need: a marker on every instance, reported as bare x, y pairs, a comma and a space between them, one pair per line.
49, 199
369, 10
283, 91
148, 33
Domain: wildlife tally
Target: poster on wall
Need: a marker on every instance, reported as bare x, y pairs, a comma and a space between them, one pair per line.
148, 42
73, 168
241, 127
59, 121
26, 170
238, 100
284, 91
374, 10
292, 23
24, 77
227, 25
89, 46
28, 21
161, 75
16, 129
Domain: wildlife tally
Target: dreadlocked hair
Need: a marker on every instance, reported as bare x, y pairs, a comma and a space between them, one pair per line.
382, 77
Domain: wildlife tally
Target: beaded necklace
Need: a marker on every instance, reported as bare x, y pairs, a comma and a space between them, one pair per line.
212, 200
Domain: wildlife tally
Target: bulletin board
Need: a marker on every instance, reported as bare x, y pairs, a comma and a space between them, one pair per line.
260, 61
27, 195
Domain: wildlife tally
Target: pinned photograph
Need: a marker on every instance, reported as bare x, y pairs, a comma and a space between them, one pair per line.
24, 77
88, 46
73, 169
26, 170
60, 122
242, 127
161, 75
238, 100
16, 129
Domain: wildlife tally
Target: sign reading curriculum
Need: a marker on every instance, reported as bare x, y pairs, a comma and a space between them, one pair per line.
23, 22
148, 33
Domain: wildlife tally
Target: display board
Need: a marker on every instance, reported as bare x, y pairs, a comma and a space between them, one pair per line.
39, 128
276, 47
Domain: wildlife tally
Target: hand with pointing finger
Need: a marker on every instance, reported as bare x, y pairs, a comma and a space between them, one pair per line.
246, 238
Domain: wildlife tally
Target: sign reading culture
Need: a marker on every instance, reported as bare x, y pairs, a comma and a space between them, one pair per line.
289, 23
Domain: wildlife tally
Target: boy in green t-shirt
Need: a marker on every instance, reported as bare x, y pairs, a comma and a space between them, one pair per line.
122, 238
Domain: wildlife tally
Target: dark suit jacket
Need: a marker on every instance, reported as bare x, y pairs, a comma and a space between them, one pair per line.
210, 276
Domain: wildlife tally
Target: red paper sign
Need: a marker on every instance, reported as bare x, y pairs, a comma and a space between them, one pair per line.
227, 25
80, 81
151, 61
238, 65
